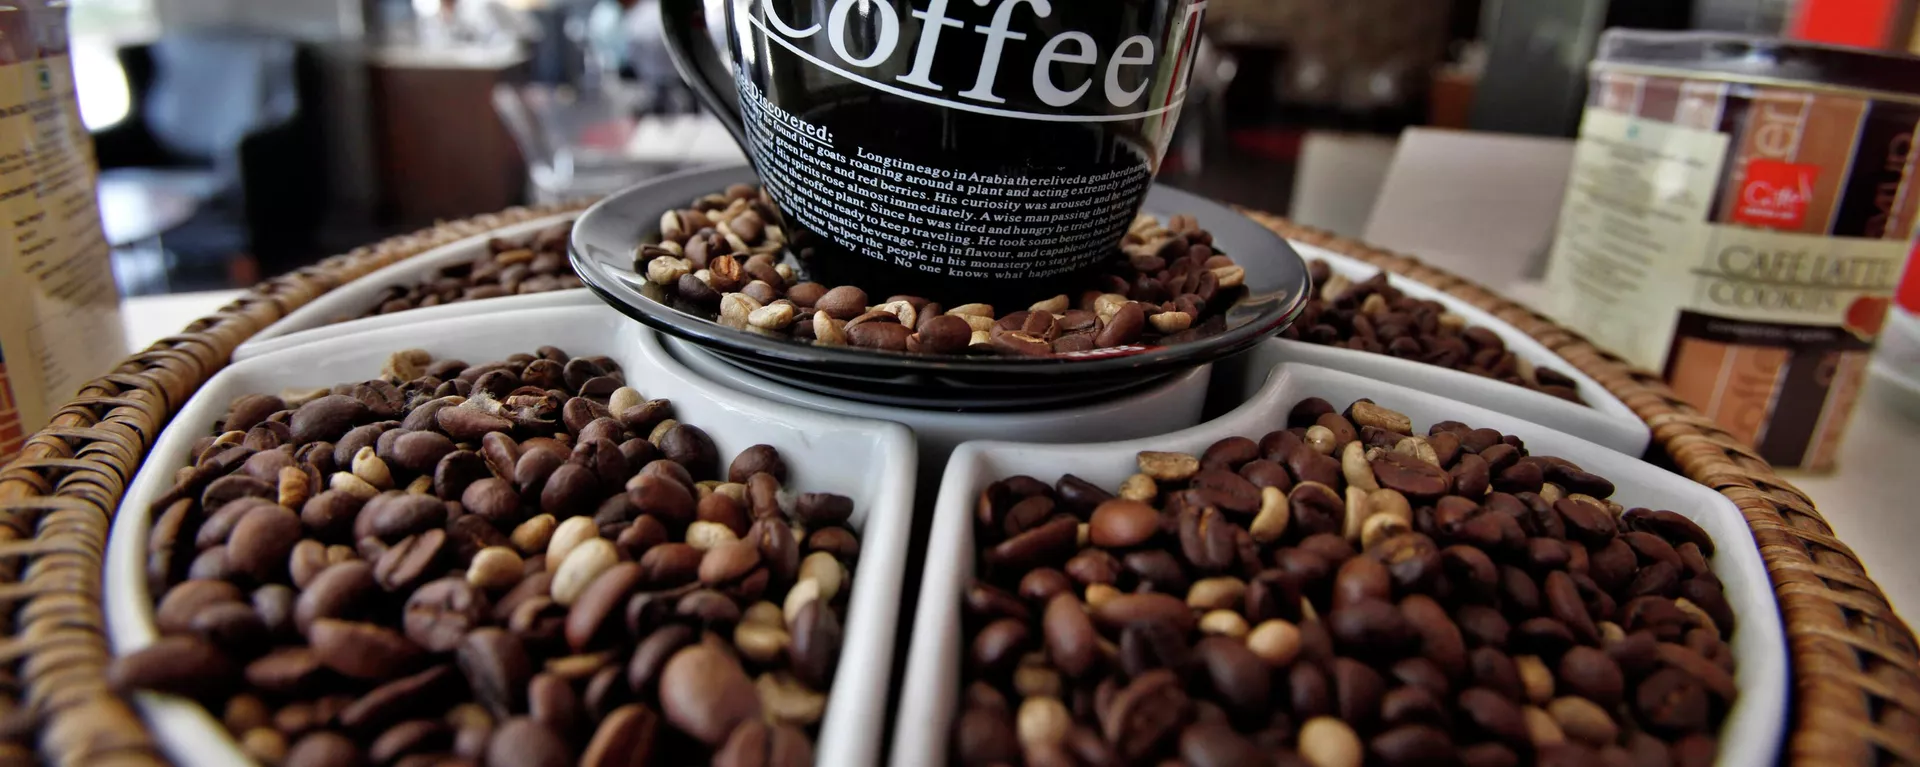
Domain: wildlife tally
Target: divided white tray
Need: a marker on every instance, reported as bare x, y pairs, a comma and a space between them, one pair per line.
1750, 736
1169, 405
871, 461
1608, 421
315, 321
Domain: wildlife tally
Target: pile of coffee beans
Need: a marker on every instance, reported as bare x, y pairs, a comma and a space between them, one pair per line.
1374, 316
720, 258
1337, 593
522, 562
536, 263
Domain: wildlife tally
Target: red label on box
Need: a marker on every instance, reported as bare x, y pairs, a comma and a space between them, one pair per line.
1775, 194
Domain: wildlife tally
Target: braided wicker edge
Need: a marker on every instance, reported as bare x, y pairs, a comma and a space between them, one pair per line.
1857, 693
1855, 665
58, 497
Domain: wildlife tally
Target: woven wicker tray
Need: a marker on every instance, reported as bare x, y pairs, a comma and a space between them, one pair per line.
1856, 684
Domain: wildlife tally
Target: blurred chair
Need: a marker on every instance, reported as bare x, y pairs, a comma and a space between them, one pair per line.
227, 119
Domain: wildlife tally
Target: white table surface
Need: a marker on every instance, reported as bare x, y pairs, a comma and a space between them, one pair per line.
1869, 500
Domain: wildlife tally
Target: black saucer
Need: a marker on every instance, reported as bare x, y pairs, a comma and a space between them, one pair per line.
605, 237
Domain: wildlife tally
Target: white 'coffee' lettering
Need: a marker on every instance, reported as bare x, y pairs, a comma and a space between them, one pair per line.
931, 20
773, 14
997, 34
888, 20
1043, 85
1117, 95
1072, 47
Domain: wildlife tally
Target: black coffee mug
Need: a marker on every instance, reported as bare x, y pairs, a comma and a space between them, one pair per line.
960, 150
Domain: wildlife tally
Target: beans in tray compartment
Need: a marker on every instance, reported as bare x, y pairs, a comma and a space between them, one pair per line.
1373, 316
522, 562
1343, 591
720, 258
536, 263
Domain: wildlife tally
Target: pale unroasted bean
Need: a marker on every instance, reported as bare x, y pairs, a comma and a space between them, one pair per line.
494, 568
1276, 641
1270, 523
1369, 414
294, 487
1583, 720
1535, 677
373, 470
786, 700
1389, 501
824, 570
802, 594
1357, 513
707, 536
1099, 594
1043, 721
1139, 487
1542, 729
1171, 322
1355, 467
828, 331
350, 484
761, 642
1054, 305
568, 535
763, 613
667, 270
1329, 742
776, 316
533, 536
1380, 526
1223, 623
736, 308
1231, 276
1220, 593
581, 565
1321, 439
1032, 679
623, 399
660, 431
1167, 467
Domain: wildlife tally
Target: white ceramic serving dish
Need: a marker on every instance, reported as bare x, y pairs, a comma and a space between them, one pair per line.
1752, 732
1608, 421
315, 321
1169, 405
871, 461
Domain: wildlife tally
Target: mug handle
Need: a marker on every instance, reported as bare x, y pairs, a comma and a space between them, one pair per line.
684, 30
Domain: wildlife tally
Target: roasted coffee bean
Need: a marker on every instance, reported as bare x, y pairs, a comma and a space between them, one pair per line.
1121, 524
345, 590
815, 651
705, 693
523, 741
1207, 540
1372, 627
497, 667
1412, 477
361, 650
1671, 702
233, 627
180, 665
